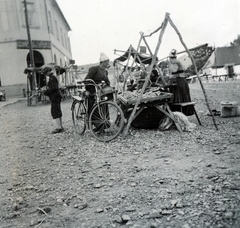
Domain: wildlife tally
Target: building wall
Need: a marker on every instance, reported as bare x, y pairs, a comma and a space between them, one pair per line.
237, 69
221, 71
49, 33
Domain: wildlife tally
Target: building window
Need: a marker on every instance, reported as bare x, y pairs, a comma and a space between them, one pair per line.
67, 43
57, 32
55, 59
65, 37
32, 14
50, 22
62, 36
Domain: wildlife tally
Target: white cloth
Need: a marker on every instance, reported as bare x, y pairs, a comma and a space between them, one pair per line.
182, 120
185, 124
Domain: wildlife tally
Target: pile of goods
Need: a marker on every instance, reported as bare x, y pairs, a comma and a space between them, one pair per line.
128, 97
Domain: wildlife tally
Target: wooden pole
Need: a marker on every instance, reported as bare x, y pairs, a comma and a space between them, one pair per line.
163, 80
29, 42
126, 70
144, 39
164, 25
195, 67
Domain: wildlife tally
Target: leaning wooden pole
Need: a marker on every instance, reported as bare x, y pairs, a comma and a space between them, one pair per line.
148, 76
126, 69
30, 43
195, 68
144, 39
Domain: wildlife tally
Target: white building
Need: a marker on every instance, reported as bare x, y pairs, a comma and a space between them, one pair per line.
223, 61
49, 34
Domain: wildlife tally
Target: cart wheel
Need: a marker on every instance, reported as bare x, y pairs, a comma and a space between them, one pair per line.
106, 121
79, 117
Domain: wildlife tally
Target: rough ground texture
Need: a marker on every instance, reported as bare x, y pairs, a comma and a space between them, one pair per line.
151, 178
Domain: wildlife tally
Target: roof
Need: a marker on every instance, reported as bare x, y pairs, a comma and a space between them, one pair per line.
223, 56
60, 11
142, 58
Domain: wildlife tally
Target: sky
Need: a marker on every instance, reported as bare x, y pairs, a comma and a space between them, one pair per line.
107, 25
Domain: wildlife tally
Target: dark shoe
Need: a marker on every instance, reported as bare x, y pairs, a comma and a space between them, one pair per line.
58, 131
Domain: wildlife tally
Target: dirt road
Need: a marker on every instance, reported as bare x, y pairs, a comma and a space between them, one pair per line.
149, 179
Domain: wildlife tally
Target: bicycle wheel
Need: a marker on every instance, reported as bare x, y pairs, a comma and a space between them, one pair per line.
106, 121
79, 117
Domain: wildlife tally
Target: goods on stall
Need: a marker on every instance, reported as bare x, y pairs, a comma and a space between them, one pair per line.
149, 116
153, 94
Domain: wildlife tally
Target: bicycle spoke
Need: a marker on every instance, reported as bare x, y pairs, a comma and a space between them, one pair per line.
106, 121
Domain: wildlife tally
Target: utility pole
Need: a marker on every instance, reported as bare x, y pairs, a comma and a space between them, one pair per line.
32, 63
215, 59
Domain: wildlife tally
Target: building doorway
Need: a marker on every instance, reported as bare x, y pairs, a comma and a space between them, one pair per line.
39, 61
230, 71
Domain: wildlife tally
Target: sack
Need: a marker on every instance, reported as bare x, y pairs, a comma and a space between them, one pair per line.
107, 93
183, 121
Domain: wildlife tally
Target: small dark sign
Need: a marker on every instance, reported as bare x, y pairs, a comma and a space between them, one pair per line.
71, 61
36, 44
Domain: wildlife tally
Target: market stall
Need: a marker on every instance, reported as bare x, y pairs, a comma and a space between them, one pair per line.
152, 101
147, 66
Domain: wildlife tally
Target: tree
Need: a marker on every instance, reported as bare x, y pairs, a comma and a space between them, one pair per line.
236, 41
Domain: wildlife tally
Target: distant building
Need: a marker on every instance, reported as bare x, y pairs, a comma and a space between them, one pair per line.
49, 34
223, 61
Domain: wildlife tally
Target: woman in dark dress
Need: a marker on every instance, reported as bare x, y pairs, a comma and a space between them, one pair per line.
178, 84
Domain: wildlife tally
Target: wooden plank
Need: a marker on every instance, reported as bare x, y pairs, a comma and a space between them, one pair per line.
185, 104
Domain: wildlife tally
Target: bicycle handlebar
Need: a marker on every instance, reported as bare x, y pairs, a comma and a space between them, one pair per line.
91, 82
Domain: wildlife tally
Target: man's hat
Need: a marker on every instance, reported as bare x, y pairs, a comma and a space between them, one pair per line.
103, 57
48, 67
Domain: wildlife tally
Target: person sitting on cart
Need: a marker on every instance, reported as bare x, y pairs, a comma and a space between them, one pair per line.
98, 74
154, 77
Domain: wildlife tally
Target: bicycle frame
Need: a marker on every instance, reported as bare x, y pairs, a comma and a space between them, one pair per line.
83, 97
105, 119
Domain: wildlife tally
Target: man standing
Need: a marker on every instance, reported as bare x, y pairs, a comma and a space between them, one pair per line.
97, 74
52, 91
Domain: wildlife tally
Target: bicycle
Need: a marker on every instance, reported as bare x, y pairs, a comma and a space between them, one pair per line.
105, 120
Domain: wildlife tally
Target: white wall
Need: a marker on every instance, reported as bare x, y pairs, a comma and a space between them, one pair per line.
237, 69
